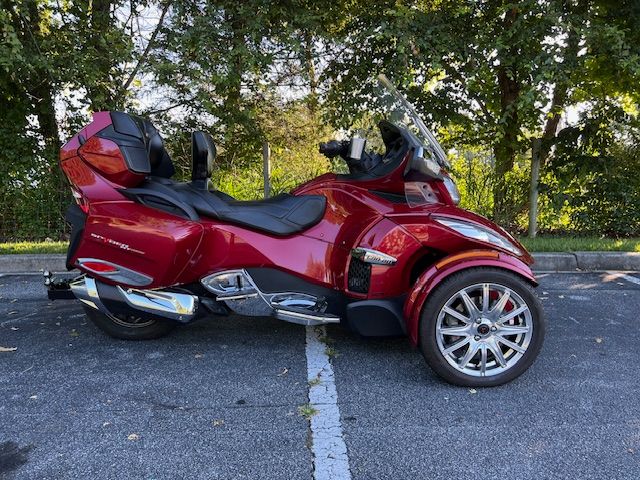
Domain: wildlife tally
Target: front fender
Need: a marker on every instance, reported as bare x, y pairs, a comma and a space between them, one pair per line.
449, 265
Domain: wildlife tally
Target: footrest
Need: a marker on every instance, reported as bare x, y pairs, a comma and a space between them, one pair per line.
303, 317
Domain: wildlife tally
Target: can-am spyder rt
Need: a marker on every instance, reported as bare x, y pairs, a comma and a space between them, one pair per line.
383, 249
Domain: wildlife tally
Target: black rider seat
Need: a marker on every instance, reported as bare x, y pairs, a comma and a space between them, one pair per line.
281, 215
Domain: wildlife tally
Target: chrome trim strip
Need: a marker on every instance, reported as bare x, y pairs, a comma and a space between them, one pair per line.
122, 275
224, 298
374, 257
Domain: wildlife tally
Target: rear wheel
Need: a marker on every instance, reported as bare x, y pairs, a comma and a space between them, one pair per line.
130, 327
482, 327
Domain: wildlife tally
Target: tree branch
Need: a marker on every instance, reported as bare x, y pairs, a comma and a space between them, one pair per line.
143, 58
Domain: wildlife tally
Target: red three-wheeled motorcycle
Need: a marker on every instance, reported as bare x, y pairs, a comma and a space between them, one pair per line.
384, 249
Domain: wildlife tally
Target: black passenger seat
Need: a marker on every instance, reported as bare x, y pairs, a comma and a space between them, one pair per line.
281, 215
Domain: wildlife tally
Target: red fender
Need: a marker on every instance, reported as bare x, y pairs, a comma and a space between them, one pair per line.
451, 264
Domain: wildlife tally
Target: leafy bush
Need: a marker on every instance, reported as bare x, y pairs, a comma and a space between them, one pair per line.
607, 201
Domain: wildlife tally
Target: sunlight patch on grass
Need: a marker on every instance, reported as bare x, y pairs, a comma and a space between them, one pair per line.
33, 247
580, 244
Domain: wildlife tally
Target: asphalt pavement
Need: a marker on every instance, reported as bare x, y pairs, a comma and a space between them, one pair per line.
221, 398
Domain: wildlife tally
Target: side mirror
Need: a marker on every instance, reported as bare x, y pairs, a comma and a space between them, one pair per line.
424, 162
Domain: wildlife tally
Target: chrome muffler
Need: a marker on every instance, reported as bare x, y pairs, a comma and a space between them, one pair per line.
180, 307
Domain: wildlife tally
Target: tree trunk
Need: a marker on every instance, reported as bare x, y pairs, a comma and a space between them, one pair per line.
506, 148
42, 91
266, 169
311, 71
541, 147
99, 89
533, 190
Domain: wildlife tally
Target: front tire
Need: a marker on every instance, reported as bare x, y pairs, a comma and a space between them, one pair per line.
131, 327
481, 327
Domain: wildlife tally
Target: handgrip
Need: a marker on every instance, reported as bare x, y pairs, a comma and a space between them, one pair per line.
334, 148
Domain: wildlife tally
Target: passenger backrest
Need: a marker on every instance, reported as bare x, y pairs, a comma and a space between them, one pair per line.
161, 164
203, 153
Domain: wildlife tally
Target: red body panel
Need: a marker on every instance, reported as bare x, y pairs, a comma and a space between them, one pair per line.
145, 240
173, 250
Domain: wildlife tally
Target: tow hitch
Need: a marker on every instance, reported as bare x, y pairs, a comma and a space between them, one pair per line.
58, 288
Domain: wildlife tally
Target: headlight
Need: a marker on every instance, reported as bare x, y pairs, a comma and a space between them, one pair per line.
478, 232
452, 189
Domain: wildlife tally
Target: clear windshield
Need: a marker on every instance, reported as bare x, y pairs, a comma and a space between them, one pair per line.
400, 112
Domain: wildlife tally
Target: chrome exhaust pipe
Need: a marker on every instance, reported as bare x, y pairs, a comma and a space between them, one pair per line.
86, 290
176, 306
180, 307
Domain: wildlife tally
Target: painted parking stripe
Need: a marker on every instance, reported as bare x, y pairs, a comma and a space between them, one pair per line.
627, 277
330, 459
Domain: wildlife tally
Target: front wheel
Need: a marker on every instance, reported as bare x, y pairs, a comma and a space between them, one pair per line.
130, 327
481, 327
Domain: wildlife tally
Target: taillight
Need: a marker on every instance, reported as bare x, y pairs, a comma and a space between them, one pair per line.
99, 267
81, 200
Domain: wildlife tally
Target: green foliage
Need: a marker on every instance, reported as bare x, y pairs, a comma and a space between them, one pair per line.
490, 74
475, 175
606, 200
495, 73
293, 132
49, 51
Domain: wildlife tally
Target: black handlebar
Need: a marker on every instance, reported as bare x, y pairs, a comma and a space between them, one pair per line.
334, 148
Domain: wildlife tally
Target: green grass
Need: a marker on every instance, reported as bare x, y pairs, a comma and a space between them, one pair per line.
33, 247
580, 244
307, 411
545, 243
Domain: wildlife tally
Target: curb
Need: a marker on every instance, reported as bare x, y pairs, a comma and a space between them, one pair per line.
548, 262
586, 261
33, 262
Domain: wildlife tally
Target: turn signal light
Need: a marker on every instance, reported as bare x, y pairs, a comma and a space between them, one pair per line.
99, 267
467, 255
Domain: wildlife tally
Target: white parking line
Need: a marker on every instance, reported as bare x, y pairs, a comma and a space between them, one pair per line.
627, 277
330, 459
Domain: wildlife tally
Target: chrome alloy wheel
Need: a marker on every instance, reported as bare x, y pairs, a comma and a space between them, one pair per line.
484, 329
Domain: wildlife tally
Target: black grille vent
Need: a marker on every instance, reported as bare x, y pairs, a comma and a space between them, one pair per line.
359, 275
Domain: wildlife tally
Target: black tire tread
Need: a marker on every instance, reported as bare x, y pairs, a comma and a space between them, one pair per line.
159, 328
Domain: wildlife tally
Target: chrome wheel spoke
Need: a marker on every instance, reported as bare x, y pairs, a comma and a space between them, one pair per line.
501, 303
512, 330
497, 353
471, 351
469, 304
510, 344
483, 360
457, 315
513, 313
456, 346
485, 297
462, 331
